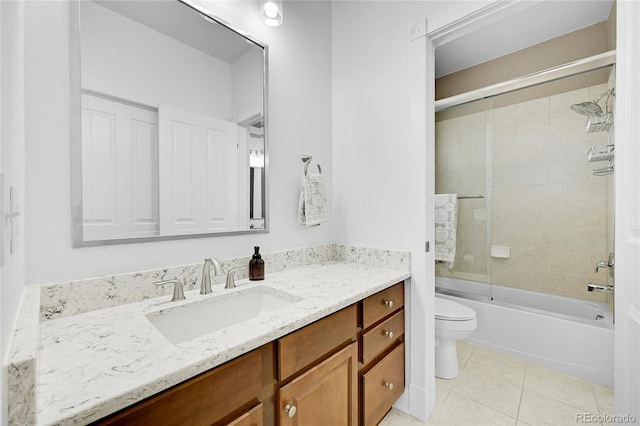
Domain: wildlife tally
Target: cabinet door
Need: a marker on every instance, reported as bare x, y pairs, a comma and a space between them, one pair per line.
324, 395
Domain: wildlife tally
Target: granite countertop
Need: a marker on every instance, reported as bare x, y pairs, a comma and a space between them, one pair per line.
92, 364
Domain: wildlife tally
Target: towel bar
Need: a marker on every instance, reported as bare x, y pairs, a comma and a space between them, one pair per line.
469, 197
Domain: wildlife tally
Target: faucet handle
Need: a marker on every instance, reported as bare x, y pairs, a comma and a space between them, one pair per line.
178, 291
231, 283
609, 264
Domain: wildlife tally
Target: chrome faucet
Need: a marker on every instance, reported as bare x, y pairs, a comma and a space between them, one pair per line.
178, 291
205, 283
600, 288
609, 264
231, 282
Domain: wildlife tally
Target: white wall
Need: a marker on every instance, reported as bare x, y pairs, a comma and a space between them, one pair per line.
246, 83
123, 58
379, 169
12, 166
380, 195
300, 123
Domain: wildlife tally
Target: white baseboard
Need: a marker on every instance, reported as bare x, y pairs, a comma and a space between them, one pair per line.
418, 403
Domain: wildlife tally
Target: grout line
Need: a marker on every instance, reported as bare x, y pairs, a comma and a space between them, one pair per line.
524, 378
593, 388
482, 403
561, 402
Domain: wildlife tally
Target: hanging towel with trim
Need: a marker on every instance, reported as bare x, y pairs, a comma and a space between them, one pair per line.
446, 224
312, 208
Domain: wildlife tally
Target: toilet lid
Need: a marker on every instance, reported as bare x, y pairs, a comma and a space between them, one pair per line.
452, 311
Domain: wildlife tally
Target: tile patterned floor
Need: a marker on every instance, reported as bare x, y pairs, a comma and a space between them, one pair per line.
498, 389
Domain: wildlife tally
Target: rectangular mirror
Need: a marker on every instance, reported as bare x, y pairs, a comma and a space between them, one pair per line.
168, 124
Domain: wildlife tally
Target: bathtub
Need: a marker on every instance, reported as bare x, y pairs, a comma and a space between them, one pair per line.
571, 335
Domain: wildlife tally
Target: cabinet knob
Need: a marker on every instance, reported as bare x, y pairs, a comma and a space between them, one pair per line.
389, 334
290, 410
389, 385
389, 303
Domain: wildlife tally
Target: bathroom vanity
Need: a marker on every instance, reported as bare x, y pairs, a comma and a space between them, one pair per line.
336, 349
344, 367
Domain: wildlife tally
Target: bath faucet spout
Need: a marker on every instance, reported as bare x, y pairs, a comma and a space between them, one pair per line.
600, 288
205, 283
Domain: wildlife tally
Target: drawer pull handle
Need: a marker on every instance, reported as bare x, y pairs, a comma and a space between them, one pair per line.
389, 334
290, 410
389, 385
389, 303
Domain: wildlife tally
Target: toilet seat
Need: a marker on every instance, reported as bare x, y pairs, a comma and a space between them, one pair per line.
451, 311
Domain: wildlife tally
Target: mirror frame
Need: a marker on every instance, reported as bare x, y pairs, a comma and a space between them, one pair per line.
75, 122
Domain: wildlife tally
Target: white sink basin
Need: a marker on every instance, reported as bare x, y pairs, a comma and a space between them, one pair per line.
183, 323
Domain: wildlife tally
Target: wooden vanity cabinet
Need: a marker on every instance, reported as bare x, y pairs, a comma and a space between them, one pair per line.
318, 370
237, 391
381, 353
253, 417
327, 394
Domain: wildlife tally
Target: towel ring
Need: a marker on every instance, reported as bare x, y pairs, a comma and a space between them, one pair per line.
306, 159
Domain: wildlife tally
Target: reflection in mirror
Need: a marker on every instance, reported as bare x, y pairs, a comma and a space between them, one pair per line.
169, 136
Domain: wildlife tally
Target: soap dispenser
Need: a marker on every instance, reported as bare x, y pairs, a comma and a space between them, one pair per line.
256, 266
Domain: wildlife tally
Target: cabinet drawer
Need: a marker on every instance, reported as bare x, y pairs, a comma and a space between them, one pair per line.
254, 417
300, 348
327, 394
382, 336
381, 304
206, 398
382, 386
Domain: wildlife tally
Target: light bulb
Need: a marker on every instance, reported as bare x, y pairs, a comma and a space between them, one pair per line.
271, 9
271, 12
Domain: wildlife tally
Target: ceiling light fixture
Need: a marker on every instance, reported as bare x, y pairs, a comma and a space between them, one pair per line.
271, 12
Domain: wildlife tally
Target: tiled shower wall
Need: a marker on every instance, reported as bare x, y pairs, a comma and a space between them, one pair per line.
542, 200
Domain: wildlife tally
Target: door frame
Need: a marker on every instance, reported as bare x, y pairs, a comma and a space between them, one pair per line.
626, 199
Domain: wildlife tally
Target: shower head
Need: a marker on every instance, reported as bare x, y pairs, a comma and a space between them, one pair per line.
590, 109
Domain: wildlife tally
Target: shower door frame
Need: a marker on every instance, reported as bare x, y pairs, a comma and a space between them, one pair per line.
580, 66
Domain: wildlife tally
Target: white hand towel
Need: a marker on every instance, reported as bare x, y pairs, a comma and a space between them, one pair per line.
446, 224
312, 208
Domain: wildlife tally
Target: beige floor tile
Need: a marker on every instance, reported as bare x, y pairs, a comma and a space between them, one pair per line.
505, 367
604, 396
465, 350
561, 387
458, 410
489, 390
398, 418
441, 395
447, 384
539, 410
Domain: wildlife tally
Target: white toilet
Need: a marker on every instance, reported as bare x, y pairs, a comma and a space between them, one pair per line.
453, 322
